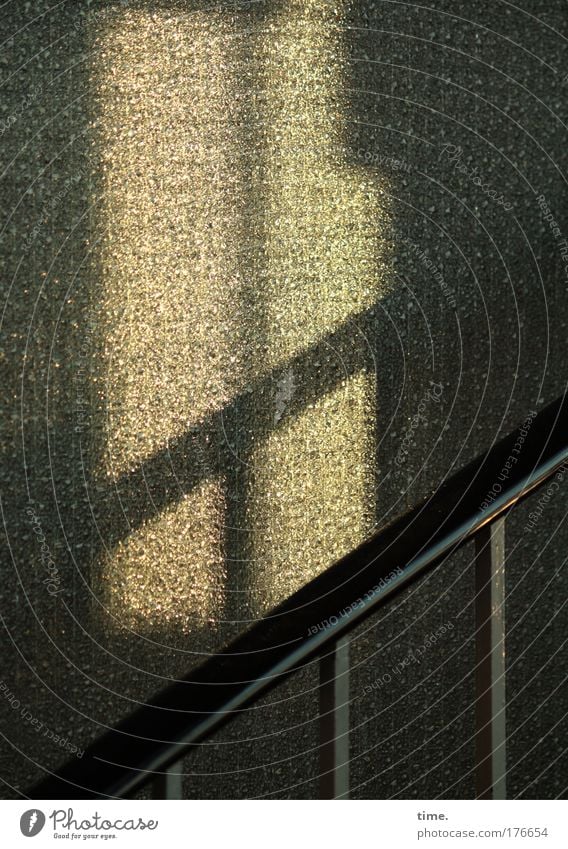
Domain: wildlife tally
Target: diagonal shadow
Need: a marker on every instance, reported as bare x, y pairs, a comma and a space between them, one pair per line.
184, 463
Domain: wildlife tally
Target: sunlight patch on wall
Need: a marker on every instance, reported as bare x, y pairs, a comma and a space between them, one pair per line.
236, 233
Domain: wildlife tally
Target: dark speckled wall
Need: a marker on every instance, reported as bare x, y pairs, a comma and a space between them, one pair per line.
242, 246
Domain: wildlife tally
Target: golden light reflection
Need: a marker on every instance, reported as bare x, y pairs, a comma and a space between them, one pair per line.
236, 234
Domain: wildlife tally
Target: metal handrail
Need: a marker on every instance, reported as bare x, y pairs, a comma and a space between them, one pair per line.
157, 734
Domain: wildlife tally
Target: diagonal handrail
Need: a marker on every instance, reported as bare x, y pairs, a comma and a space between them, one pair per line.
161, 731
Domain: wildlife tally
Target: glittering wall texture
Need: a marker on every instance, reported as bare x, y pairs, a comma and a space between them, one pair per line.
233, 236
239, 243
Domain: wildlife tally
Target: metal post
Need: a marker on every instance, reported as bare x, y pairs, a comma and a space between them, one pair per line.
168, 785
334, 722
490, 756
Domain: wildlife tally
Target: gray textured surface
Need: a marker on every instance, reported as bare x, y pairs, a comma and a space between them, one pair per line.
487, 78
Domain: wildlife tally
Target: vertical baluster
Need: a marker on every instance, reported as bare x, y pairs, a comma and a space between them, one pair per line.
490, 755
334, 721
168, 784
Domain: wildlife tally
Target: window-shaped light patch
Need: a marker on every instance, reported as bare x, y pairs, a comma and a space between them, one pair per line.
237, 232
